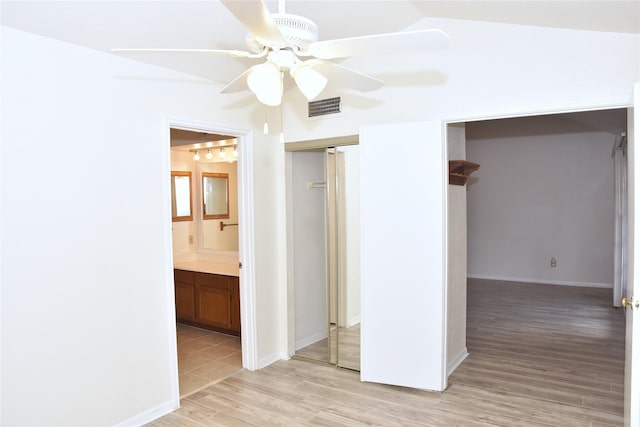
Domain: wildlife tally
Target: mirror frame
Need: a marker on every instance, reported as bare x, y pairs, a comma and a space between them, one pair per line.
189, 217
222, 215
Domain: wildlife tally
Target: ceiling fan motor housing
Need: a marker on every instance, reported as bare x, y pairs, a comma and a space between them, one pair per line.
297, 30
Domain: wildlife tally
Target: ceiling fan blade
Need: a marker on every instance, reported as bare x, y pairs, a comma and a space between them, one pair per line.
234, 53
255, 16
410, 41
346, 77
238, 84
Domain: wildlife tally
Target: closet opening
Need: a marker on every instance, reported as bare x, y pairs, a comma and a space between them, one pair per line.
324, 254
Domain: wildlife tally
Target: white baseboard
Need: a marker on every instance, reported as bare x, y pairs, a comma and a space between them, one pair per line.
306, 341
457, 361
353, 321
541, 281
266, 361
150, 415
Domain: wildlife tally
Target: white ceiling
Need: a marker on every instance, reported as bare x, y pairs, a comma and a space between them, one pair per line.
208, 24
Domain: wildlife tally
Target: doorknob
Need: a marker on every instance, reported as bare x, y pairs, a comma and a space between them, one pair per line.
624, 302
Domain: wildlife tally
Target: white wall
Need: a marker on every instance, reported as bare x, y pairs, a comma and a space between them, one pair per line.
87, 316
457, 255
544, 189
309, 247
270, 243
488, 69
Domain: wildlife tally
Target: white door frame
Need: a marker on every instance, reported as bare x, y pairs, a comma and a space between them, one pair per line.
245, 231
631, 184
632, 340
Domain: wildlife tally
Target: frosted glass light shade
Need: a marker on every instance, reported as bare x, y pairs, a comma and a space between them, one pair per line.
309, 81
265, 81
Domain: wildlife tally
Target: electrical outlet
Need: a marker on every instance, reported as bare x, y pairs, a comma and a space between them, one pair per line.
554, 263
190, 239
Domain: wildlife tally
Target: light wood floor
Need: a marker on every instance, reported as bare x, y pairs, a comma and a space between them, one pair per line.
539, 356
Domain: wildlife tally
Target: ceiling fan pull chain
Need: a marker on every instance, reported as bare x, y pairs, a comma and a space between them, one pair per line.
265, 128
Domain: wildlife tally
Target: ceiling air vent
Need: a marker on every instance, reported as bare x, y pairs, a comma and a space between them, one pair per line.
323, 107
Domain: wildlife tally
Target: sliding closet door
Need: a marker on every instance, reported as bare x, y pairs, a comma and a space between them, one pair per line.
403, 255
324, 252
347, 190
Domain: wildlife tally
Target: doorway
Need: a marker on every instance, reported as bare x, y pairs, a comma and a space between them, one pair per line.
206, 253
546, 218
541, 208
323, 197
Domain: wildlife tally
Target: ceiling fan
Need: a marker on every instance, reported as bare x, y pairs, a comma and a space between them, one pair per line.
289, 43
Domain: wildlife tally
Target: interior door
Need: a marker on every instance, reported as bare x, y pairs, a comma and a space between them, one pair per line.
621, 221
403, 261
632, 356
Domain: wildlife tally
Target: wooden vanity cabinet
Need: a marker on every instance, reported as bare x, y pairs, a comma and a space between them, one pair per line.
185, 295
206, 300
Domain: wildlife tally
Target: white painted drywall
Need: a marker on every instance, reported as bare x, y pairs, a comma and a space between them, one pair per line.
457, 255
309, 247
544, 190
87, 316
488, 70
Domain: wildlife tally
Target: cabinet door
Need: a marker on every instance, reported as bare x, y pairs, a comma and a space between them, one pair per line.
185, 301
185, 294
214, 306
213, 300
235, 303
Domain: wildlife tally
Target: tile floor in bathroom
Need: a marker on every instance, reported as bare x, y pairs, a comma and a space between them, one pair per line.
205, 357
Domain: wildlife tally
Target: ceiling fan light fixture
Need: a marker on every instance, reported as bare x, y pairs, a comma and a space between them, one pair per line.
310, 82
265, 81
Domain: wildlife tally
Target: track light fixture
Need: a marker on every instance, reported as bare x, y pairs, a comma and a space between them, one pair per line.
224, 153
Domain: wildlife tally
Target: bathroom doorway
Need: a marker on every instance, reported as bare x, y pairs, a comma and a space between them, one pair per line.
323, 195
205, 257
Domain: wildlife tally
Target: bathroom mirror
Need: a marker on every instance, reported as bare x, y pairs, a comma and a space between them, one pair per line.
215, 195
181, 203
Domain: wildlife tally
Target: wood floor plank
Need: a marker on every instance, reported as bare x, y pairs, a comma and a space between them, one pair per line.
540, 355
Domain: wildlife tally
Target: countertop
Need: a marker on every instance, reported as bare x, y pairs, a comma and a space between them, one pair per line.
208, 267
